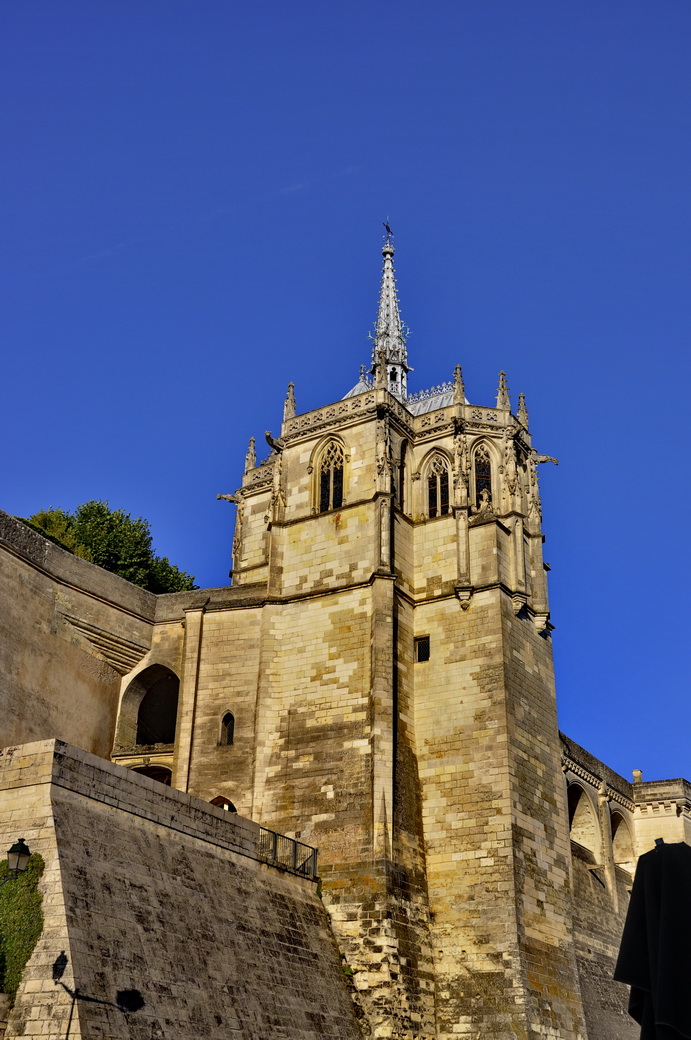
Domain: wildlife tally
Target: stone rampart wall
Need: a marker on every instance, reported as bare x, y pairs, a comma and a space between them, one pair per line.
149, 889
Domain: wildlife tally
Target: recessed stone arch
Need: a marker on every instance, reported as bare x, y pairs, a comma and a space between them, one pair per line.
161, 774
221, 802
148, 710
584, 827
623, 849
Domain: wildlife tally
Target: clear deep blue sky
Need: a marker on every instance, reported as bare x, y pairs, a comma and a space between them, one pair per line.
192, 196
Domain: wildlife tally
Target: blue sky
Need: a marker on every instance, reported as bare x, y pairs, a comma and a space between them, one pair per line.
192, 196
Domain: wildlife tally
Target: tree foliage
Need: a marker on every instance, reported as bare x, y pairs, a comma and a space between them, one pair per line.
113, 540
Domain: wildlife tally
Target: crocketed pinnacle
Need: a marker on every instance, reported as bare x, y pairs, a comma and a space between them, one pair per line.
389, 345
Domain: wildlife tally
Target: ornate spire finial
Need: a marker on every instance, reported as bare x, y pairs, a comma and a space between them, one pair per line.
289, 404
458, 387
389, 331
503, 399
250, 457
522, 413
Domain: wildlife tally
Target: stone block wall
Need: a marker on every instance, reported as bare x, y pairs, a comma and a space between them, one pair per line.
149, 889
68, 632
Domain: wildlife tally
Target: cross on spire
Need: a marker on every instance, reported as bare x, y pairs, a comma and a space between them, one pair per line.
389, 346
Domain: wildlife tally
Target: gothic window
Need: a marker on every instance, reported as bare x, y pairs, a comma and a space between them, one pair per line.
483, 474
438, 487
331, 478
227, 729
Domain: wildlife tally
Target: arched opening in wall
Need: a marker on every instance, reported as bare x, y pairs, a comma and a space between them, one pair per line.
582, 820
437, 487
159, 773
622, 843
223, 803
158, 711
148, 712
482, 470
331, 465
227, 734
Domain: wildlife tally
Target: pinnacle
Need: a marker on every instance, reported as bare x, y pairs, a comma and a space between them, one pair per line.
503, 399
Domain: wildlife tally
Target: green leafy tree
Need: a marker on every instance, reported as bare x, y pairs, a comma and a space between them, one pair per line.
114, 541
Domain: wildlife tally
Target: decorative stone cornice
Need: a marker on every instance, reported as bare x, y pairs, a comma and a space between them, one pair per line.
121, 654
570, 765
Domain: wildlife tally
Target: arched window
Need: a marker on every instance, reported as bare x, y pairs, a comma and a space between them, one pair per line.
331, 477
227, 729
158, 710
483, 474
223, 803
437, 487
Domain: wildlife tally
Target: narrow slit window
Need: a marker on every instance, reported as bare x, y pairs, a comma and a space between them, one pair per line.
227, 729
438, 488
331, 478
422, 648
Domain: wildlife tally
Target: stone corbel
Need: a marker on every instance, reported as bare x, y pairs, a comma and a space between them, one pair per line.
519, 601
464, 595
541, 621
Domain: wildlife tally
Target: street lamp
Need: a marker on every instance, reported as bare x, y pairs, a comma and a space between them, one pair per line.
17, 860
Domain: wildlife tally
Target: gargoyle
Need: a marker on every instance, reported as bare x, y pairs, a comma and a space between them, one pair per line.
275, 443
230, 498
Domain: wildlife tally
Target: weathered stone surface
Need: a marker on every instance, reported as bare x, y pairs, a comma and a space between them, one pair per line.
152, 890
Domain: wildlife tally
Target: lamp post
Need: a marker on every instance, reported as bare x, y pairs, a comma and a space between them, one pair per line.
17, 860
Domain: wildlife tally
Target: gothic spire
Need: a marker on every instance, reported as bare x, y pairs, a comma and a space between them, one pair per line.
389, 332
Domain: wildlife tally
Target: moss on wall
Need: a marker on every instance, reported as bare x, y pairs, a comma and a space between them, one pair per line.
21, 922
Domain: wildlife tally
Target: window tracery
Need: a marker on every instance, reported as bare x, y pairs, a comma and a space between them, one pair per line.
331, 467
437, 487
483, 474
227, 734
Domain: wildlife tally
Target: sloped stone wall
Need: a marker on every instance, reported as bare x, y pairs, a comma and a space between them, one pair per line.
151, 890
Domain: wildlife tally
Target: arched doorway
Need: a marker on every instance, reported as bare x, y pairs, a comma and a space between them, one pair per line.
148, 712
158, 710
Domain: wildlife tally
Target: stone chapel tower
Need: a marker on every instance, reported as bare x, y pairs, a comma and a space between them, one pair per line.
388, 633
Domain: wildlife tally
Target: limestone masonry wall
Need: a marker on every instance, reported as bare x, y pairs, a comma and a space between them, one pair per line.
68, 632
150, 889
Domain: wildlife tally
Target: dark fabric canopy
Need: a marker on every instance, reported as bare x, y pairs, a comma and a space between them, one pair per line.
655, 954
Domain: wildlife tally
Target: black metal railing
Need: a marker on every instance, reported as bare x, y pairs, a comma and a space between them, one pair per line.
287, 853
